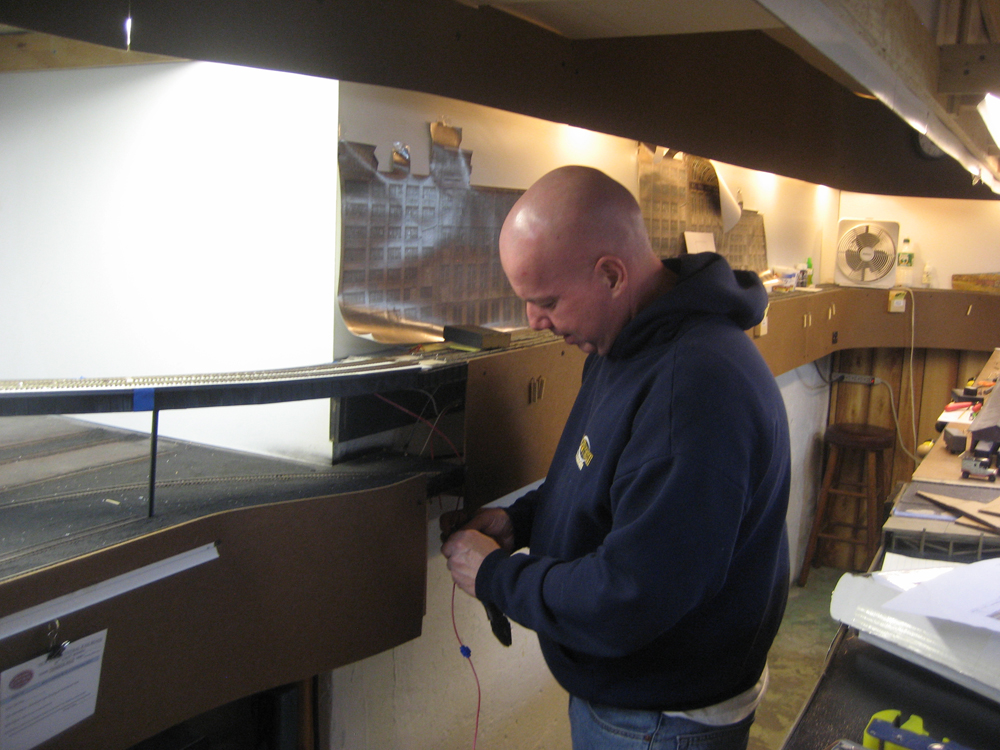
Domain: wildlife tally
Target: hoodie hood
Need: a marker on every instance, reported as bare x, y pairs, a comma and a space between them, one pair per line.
706, 285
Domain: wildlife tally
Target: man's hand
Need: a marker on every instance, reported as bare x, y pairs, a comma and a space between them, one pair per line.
493, 522
466, 550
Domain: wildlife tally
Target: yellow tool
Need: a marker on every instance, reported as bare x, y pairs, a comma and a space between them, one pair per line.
885, 725
913, 724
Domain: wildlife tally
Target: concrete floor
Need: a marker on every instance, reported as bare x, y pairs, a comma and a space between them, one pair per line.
796, 658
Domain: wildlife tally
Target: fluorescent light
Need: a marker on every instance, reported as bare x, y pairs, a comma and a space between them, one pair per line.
989, 110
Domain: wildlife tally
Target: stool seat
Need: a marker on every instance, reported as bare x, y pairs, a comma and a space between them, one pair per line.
867, 495
864, 437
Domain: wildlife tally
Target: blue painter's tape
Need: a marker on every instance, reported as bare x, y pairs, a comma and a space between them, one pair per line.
142, 399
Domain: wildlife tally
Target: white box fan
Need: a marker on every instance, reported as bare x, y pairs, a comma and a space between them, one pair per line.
866, 253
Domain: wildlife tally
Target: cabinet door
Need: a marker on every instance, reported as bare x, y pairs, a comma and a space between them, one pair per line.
823, 322
516, 405
948, 319
865, 321
784, 343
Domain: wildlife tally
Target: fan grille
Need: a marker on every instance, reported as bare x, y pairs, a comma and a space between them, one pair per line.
866, 252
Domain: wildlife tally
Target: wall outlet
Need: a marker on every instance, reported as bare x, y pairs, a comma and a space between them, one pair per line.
897, 300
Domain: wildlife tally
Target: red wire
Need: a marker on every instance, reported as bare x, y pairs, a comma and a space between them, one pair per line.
467, 653
430, 424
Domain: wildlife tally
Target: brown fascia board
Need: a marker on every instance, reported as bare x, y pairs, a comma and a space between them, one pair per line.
738, 97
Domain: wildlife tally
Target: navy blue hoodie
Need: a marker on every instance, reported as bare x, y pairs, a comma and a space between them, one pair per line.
657, 570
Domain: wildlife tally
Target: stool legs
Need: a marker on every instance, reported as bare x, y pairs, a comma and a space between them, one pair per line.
873, 512
864, 535
832, 468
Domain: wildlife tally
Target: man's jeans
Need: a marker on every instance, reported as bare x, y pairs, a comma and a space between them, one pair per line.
597, 727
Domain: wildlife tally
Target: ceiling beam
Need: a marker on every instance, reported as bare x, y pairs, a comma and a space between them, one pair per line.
885, 47
991, 18
970, 69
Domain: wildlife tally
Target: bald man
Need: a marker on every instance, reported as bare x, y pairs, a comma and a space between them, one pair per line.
657, 566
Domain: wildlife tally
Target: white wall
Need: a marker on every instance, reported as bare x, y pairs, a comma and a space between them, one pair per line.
953, 236
167, 219
807, 401
508, 150
800, 218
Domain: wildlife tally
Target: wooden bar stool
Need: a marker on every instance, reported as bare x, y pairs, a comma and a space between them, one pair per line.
868, 494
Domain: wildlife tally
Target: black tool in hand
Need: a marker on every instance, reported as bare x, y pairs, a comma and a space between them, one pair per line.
499, 623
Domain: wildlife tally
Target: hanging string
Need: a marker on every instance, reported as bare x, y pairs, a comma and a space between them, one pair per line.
467, 653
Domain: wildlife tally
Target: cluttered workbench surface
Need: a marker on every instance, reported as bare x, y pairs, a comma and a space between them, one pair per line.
861, 680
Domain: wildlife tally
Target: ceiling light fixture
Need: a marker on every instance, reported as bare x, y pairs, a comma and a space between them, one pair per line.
128, 29
989, 110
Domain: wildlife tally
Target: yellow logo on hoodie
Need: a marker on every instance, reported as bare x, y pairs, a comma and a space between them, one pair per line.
584, 455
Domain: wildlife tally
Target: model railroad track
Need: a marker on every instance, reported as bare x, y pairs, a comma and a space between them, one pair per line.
191, 482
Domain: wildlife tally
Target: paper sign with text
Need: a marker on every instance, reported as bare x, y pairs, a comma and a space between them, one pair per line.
43, 697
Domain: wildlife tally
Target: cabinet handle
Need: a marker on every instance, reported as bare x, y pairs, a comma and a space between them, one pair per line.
969, 311
536, 389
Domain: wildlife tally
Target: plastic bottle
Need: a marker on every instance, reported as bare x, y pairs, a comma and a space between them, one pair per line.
809, 271
904, 264
800, 277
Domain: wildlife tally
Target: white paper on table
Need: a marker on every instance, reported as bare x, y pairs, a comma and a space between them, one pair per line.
966, 655
904, 580
959, 416
893, 561
43, 697
969, 595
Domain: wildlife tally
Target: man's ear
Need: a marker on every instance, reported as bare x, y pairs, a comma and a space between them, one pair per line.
612, 273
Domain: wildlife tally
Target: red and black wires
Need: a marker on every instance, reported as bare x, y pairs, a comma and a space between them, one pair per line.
467, 653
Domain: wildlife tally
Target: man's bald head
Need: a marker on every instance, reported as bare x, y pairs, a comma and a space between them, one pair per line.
575, 249
577, 214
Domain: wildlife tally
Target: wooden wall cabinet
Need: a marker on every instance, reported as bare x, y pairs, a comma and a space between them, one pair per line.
803, 327
782, 338
948, 319
516, 404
